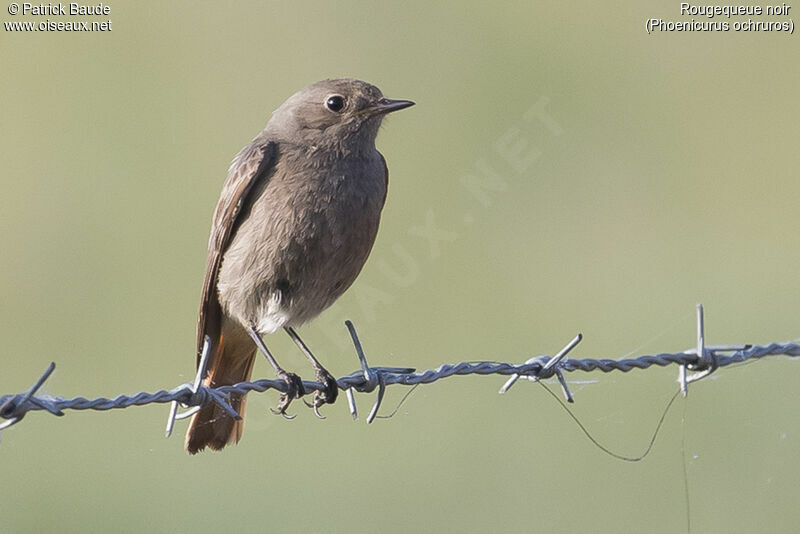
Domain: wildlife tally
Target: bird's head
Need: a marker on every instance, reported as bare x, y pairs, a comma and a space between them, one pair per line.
342, 115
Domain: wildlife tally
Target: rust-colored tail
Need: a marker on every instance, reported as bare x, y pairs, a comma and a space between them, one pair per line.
212, 427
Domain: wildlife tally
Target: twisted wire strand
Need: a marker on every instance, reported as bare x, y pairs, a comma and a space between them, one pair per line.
14, 407
688, 357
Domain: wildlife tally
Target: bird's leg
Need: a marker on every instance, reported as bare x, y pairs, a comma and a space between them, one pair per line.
331, 391
294, 385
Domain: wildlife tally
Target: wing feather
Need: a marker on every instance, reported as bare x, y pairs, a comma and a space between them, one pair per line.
253, 163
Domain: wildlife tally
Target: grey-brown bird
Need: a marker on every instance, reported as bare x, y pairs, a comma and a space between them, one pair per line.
295, 222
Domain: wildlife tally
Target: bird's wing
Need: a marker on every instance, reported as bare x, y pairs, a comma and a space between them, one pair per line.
386, 178
255, 162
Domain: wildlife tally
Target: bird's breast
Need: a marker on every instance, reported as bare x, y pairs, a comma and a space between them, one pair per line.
302, 239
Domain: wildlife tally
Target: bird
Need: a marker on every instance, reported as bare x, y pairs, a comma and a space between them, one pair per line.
295, 222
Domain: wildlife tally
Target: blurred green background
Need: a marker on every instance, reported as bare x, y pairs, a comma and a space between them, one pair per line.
666, 174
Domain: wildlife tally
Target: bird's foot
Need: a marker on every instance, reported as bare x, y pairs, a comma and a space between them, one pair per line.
294, 390
326, 395
330, 392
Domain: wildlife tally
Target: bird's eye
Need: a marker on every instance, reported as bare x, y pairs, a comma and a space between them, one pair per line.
335, 103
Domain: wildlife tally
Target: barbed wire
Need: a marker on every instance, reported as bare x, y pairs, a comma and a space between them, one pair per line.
695, 363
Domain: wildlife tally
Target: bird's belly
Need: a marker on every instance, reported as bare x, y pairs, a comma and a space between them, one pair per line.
300, 259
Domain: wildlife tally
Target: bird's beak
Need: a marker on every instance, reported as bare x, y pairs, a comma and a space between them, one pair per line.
387, 105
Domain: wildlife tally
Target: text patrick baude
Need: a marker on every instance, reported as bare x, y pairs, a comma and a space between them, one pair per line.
73, 8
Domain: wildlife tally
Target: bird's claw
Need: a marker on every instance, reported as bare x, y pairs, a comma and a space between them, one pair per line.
326, 395
315, 408
329, 393
294, 390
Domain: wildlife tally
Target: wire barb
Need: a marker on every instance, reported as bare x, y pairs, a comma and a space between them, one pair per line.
373, 377
13, 408
200, 394
702, 359
707, 357
549, 367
